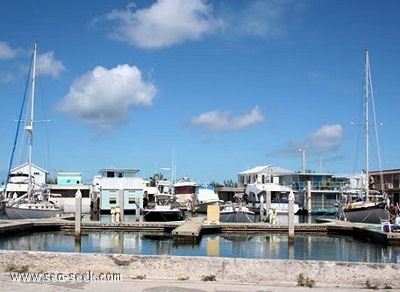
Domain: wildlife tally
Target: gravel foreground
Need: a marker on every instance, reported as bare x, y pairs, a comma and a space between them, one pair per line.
70, 271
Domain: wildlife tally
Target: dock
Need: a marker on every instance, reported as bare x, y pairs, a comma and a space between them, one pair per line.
15, 226
192, 229
189, 231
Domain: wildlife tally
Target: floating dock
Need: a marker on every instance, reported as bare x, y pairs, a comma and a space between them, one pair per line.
189, 231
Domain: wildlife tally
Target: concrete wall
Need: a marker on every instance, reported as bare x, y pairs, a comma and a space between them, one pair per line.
282, 273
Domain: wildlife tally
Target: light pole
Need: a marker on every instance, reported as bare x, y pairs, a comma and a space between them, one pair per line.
303, 160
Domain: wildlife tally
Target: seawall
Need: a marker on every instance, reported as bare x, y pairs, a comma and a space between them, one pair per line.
274, 273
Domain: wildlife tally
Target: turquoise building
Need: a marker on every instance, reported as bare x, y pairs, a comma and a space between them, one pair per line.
116, 188
69, 178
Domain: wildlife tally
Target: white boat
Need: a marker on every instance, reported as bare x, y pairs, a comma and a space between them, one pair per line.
365, 205
279, 197
37, 202
42, 207
184, 190
237, 213
164, 210
206, 196
164, 186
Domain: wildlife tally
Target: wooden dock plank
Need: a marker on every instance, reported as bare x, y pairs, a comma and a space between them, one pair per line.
190, 230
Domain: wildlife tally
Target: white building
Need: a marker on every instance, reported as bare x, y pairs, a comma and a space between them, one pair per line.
262, 174
19, 176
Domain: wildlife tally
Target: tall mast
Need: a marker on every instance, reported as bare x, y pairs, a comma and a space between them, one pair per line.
366, 104
29, 125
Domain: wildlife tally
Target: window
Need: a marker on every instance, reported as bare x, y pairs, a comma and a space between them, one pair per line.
113, 197
132, 199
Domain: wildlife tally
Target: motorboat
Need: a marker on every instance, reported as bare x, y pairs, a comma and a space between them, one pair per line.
236, 212
165, 209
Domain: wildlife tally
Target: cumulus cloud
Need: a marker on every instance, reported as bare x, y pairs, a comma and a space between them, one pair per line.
6, 52
165, 23
103, 97
48, 65
326, 138
169, 22
217, 121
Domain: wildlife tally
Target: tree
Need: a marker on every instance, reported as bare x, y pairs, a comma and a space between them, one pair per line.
215, 184
230, 183
155, 178
227, 183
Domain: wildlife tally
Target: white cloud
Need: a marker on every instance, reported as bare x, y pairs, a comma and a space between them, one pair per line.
326, 138
223, 121
165, 23
257, 18
48, 65
103, 97
6, 52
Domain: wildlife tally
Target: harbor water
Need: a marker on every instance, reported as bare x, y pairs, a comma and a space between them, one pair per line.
319, 247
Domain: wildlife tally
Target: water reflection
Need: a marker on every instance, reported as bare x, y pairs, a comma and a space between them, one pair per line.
262, 246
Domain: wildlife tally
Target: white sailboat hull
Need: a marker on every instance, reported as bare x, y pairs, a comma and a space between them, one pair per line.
22, 213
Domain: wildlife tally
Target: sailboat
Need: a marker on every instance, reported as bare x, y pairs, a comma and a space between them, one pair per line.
365, 205
37, 202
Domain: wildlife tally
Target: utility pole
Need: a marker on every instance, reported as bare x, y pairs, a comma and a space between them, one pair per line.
303, 160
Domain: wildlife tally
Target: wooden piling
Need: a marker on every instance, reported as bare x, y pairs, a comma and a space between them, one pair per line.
291, 217
78, 213
121, 204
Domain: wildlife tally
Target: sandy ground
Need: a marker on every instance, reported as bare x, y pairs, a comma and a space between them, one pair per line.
70, 271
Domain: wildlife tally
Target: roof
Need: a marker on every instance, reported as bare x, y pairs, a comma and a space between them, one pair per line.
119, 169
267, 169
388, 171
26, 164
69, 174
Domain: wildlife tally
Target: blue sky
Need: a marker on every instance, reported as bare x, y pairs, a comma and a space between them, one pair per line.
217, 87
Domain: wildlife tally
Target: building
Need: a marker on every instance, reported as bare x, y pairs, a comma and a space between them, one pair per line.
118, 188
389, 182
324, 188
69, 178
19, 178
261, 174
68, 184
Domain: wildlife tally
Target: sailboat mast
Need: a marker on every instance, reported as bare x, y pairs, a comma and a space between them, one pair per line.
366, 104
29, 126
